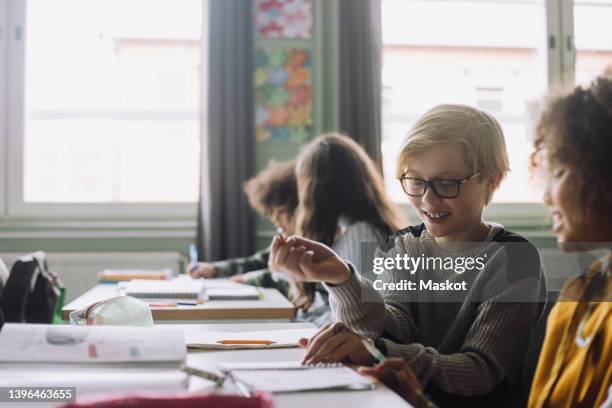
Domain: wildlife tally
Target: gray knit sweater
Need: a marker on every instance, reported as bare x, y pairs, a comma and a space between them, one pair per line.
466, 347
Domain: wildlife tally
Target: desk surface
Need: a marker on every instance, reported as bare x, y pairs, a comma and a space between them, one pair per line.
208, 360
273, 306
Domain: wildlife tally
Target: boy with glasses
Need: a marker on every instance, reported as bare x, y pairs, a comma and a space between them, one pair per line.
465, 349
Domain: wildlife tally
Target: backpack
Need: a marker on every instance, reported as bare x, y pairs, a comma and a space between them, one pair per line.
31, 294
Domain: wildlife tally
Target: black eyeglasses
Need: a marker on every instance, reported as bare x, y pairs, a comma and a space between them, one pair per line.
443, 188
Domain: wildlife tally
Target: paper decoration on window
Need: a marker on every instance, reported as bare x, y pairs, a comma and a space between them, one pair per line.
283, 94
282, 18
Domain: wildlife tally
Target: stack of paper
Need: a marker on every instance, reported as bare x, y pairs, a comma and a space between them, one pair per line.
92, 358
94, 379
225, 289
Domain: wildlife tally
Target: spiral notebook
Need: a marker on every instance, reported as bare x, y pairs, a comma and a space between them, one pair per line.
173, 289
285, 377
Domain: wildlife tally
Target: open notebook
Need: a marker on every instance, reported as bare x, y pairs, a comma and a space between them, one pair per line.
92, 358
283, 377
220, 340
47, 343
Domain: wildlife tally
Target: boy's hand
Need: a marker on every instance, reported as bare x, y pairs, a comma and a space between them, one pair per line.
307, 261
396, 374
202, 270
335, 343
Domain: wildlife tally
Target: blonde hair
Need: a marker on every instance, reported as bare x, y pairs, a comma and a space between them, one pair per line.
476, 131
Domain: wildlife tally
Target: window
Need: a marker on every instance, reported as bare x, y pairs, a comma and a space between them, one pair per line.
593, 38
108, 97
493, 54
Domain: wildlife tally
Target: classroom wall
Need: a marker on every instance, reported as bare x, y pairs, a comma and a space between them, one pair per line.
95, 244
325, 117
325, 94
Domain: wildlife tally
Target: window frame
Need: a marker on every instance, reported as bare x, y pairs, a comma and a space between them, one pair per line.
16, 207
4, 35
560, 70
561, 57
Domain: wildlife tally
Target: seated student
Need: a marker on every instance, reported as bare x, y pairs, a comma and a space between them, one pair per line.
572, 146
451, 163
342, 203
273, 194
574, 137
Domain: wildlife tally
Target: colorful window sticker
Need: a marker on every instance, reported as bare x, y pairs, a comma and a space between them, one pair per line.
283, 94
282, 18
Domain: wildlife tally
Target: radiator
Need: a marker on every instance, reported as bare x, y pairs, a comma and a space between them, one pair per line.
79, 270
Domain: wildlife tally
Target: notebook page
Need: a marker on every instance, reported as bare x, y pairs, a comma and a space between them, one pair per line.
211, 339
41, 343
313, 378
263, 365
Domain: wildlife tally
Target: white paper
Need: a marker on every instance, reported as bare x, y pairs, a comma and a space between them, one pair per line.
303, 379
95, 379
281, 338
90, 344
262, 365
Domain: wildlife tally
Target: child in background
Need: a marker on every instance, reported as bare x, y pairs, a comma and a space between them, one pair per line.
273, 194
574, 143
342, 203
468, 352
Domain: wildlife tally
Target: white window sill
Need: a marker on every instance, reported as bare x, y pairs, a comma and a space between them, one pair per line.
74, 229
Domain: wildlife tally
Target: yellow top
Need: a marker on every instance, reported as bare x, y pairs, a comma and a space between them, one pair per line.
575, 365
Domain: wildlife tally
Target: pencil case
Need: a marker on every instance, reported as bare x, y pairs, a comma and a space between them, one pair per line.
116, 311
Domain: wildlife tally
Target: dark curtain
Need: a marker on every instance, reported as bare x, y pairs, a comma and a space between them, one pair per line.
226, 226
360, 56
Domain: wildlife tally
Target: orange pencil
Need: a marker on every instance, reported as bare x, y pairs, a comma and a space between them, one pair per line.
263, 342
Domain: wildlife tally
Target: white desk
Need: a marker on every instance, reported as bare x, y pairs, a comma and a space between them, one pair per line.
208, 360
273, 306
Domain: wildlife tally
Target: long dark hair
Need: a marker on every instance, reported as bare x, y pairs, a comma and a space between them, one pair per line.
335, 178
